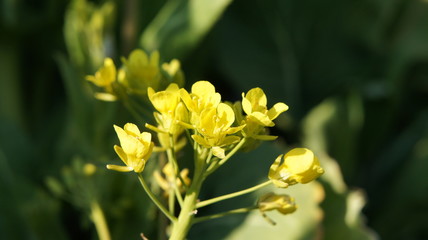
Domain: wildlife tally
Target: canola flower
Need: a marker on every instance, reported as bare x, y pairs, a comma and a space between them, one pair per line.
141, 71
216, 129
168, 182
135, 150
138, 72
203, 96
215, 126
280, 202
170, 109
299, 165
104, 78
258, 116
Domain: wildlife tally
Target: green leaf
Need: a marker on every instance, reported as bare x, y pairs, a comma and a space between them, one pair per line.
180, 25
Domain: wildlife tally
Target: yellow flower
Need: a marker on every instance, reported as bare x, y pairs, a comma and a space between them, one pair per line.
254, 105
174, 72
170, 181
89, 169
141, 71
298, 166
136, 148
104, 78
170, 108
280, 202
202, 96
214, 125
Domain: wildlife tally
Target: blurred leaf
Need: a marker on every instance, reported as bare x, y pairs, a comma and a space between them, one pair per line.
297, 51
246, 170
335, 122
87, 33
302, 224
180, 25
405, 165
11, 105
333, 127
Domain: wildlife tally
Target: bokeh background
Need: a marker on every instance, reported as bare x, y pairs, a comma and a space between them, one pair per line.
354, 73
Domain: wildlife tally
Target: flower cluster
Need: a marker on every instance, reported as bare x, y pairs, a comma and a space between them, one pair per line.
138, 72
216, 129
214, 123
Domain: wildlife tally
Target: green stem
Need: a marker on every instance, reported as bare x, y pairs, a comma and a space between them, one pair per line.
155, 200
99, 220
173, 160
171, 201
232, 195
178, 196
218, 215
184, 222
214, 167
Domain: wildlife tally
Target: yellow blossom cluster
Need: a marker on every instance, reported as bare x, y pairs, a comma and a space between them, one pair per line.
214, 123
217, 129
138, 72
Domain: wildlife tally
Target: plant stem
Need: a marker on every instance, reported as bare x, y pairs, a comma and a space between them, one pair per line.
155, 200
99, 220
171, 201
214, 167
173, 160
232, 195
182, 226
214, 216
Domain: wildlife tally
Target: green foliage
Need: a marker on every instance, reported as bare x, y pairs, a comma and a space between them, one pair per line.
353, 72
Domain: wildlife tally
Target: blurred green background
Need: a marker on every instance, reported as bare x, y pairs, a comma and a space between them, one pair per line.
354, 73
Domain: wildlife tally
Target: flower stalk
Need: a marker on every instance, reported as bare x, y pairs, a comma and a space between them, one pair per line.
155, 200
97, 216
217, 130
232, 195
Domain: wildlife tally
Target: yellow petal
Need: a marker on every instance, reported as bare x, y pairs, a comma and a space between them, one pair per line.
137, 58
273, 170
230, 140
299, 160
139, 166
185, 96
119, 168
200, 140
246, 105
153, 128
154, 58
131, 128
224, 110
162, 101
146, 137
105, 97
218, 152
121, 154
257, 97
277, 109
203, 88
265, 137
207, 121
262, 119
173, 87
161, 181
150, 92
233, 130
